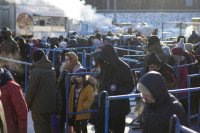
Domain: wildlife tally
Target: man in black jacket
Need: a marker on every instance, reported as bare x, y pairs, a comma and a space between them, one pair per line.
116, 78
155, 64
160, 105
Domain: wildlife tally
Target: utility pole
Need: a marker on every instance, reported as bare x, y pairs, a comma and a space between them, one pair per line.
108, 6
115, 11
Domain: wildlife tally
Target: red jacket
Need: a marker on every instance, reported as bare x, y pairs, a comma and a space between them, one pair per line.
15, 108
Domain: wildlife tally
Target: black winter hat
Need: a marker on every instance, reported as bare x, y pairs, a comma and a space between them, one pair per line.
155, 84
38, 54
153, 59
153, 40
81, 70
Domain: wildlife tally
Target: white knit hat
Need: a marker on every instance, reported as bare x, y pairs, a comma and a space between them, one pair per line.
63, 44
188, 47
143, 89
181, 44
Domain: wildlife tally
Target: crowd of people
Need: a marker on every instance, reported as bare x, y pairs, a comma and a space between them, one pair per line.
46, 95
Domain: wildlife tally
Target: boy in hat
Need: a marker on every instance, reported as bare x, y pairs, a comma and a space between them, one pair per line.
80, 99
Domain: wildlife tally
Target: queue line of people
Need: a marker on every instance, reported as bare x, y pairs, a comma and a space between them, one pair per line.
48, 104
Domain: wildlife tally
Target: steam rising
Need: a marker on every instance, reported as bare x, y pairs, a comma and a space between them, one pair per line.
189, 30
74, 9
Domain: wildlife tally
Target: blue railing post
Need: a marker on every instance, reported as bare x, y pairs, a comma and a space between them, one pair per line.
67, 99
177, 69
189, 107
188, 81
26, 71
53, 58
128, 57
30, 55
198, 121
84, 59
106, 113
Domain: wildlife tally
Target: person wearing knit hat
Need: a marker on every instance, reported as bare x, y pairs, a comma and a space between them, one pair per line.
189, 47
181, 44
154, 45
153, 40
182, 73
177, 51
160, 105
63, 44
154, 64
80, 99
81, 70
38, 54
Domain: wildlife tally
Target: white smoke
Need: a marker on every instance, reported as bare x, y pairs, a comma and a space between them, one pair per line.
189, 30
74, 9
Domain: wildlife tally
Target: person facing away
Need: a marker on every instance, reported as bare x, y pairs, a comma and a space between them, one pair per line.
116, 78
14, 105
159, 104
155, 64
41, 92
80, 99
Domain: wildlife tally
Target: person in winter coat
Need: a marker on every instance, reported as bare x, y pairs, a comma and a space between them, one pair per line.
9, 47
159, 104
41, 92
14, 105
182, 73
189, 49
80, 99
116, 78
154, 46
194, 38
24, 48
70, 65
154, 64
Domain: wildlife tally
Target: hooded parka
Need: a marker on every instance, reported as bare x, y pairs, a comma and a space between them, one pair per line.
41, 88
157, 115
118, 73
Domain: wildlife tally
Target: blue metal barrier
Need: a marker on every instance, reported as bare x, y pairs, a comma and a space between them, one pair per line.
178, 126
84, 53
107, 99
20, 62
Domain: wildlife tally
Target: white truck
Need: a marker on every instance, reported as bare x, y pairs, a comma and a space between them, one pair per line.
36, 20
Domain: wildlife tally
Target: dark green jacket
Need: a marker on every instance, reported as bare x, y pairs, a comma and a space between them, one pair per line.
41, 89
